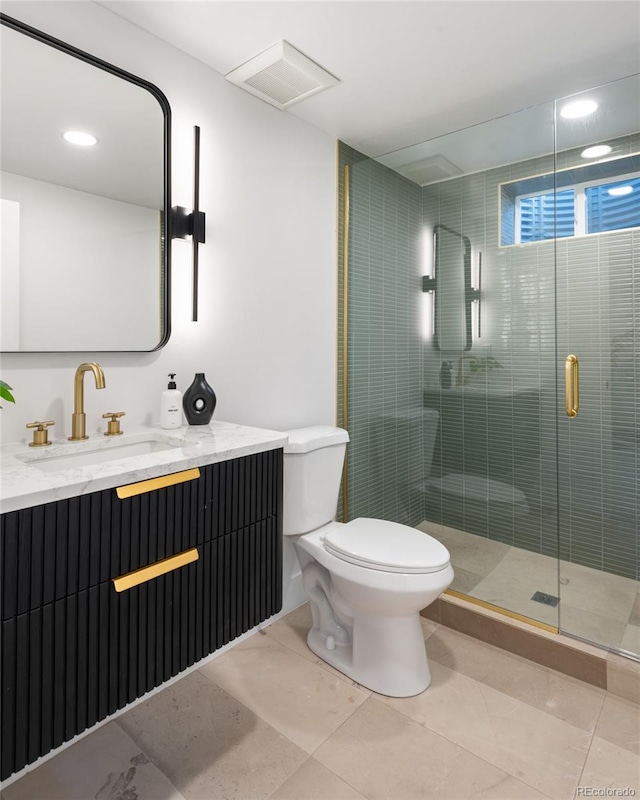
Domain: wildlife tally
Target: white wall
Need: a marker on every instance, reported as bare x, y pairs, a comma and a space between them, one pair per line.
266, 335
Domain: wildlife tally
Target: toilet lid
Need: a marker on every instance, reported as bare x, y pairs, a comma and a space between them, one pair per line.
476, 487
386, 546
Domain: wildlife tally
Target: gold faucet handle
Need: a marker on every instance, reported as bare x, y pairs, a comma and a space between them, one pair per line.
113, 427
41, 434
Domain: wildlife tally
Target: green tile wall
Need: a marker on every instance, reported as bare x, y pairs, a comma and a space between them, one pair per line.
347, 157
505, 432
599, 469
529, 442
385, 351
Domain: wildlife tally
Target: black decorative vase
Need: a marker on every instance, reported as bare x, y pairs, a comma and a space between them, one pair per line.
199, 401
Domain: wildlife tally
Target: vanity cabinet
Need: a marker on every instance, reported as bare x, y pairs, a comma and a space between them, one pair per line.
74, 650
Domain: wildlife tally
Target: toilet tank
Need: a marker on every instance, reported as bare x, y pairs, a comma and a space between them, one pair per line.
313, 461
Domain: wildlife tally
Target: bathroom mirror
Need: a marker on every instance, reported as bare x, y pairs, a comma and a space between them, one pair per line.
84, 262
452, 264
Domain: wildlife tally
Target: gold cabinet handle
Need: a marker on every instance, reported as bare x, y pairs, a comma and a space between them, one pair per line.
153, 484
572, 385
145, 574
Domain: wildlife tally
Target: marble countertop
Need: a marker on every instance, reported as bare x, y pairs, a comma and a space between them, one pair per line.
31, 476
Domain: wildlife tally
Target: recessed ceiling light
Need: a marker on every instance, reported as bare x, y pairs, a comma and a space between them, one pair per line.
81, 138
596, 151
619, 191
578, 108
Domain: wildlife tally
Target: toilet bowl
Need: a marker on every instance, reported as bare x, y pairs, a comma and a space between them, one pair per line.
367, 580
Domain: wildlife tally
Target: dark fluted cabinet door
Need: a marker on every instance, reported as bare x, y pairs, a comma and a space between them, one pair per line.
57, 549
73, 650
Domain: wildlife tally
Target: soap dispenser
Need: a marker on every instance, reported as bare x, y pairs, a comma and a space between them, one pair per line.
171, 405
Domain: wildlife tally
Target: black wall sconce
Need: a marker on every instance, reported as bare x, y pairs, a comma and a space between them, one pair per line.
185, 224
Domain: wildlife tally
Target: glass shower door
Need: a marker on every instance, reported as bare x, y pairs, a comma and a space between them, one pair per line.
598, 318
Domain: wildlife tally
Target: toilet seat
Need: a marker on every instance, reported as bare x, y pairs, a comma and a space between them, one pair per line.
386, 546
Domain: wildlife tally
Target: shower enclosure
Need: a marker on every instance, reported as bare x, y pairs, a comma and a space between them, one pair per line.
489, 355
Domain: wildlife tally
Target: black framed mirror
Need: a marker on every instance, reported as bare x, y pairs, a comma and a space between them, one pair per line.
85, 200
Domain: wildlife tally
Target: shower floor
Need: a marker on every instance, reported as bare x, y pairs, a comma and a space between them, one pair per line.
594, 605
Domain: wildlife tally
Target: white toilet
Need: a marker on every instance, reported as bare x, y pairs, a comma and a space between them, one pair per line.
367, 580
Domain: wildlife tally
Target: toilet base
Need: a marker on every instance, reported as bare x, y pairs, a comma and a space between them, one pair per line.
387, 655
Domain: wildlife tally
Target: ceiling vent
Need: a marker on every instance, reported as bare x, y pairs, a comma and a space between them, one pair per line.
430, 170
281, 76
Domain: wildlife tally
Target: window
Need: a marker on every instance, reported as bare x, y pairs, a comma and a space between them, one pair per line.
610, 206
536, 216
585, 201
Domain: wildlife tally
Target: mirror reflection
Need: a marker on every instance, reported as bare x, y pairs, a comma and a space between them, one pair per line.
452, 290
83, 203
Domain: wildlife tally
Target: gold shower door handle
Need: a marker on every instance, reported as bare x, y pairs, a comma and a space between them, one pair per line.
572, 385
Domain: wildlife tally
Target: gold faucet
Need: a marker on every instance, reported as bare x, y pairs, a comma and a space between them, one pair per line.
79, 418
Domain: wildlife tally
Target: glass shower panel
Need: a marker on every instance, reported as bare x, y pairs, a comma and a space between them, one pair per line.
491, 492
598, 295
452, 408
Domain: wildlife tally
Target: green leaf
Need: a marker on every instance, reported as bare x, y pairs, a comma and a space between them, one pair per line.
5, 393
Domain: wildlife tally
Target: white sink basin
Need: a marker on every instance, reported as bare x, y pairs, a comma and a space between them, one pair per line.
68, 456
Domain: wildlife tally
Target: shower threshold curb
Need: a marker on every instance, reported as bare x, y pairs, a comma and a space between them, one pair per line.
586, 662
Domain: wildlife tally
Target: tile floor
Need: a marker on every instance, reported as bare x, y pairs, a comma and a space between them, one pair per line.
268, 719
597, 606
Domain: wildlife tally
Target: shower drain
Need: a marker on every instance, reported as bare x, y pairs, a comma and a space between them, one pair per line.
547, 599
